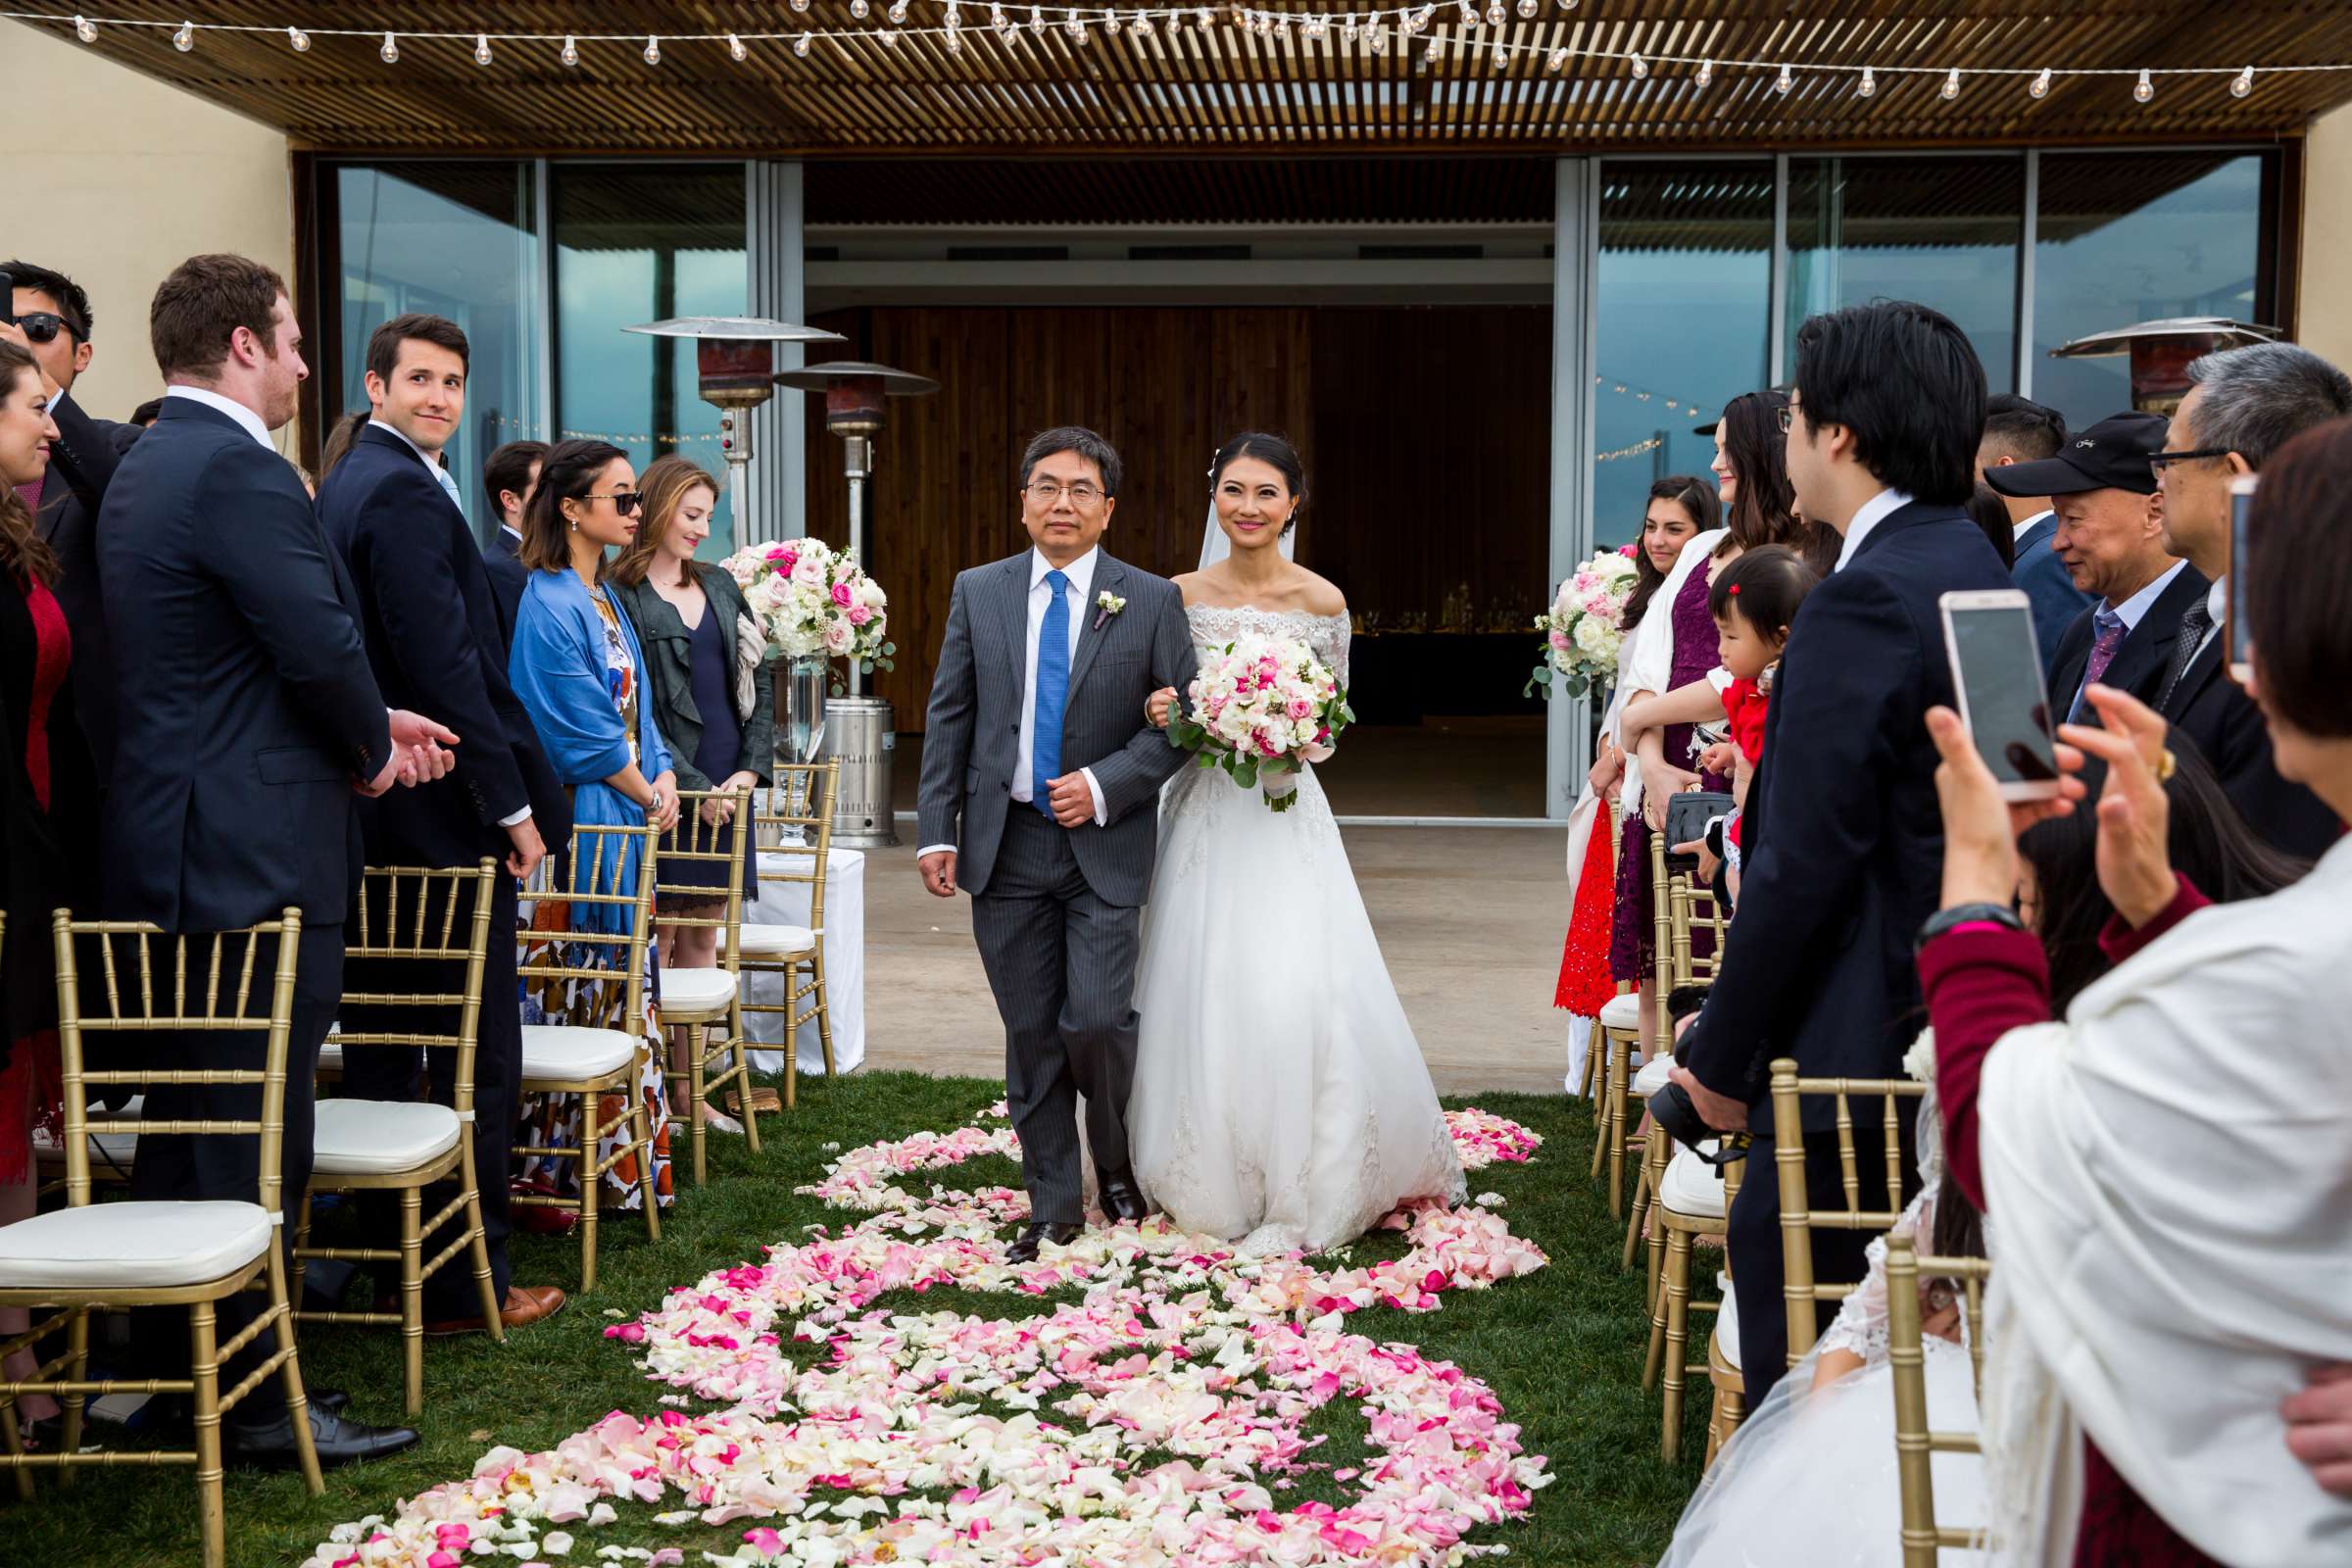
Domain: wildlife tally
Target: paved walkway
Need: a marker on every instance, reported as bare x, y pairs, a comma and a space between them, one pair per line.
1471, 921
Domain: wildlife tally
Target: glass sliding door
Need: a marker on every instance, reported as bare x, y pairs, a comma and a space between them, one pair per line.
637, 243
1681, 320
454, 239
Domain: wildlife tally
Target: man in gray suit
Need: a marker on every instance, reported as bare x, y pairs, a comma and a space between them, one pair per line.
1040, 796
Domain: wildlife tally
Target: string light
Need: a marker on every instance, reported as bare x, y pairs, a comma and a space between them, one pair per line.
1868, 87
389, 54
85, 30
1556, 61
955, 41
1706, 75
1951, 85
2040, 87
1527, 10
2243, 83
890, 37
1037, 19
1494, 13
482, 50
800, 5
997, 19
1430, 56
1074, 26
1378, 41
800, 46
859, 9
735, 48
571, 54
186, 38
1784, 81
898, 13
2143, 89
1469, 13
1639, 67
652, 50
300, 40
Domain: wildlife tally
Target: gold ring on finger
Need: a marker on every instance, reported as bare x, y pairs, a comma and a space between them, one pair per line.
2166, 765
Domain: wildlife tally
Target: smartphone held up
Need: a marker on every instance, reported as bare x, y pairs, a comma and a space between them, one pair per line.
1997, 675
2241, 508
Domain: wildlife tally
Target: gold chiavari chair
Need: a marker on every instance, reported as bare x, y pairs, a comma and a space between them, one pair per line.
1915, 1445
410, 915
691, 1001
799, 804
1694, 1201
1798, 1220
115, 1257
586, 1059
1690, 908
1619, 1031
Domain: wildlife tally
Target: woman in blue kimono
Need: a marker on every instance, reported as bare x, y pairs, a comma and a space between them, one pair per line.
576, 666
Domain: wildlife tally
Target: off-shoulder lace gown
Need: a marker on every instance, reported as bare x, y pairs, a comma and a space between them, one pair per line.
1280, 1096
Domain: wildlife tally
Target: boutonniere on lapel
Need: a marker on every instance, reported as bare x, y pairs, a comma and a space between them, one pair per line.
1106, 605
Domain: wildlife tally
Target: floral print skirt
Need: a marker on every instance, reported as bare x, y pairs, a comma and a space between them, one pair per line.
554, 1121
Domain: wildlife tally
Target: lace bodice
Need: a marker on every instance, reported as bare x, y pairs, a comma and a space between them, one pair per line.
1214, 625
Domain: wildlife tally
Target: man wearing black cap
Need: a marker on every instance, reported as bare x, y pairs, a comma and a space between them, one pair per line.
2111, 537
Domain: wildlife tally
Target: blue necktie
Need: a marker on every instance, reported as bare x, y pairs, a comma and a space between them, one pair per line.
1053, 691
449, 486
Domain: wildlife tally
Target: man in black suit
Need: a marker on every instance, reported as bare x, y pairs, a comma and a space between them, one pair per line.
2021, 431
247, 720
53, 313
2111, 538
2243, 405
1844, 849
510, 477
434, 642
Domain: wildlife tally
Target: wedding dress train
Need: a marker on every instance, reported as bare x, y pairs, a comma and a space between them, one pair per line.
1280, 1096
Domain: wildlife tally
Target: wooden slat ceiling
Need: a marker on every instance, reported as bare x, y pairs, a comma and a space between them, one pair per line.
1227, 91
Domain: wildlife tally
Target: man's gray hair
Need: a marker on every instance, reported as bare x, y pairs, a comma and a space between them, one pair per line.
2259, 398
1073, 438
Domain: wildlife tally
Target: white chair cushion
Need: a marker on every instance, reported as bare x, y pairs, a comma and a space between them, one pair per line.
376, 1137
773, 941
560, 1050
119, 1146
1622, 1013
1727, 1326
1652, 1076
688, 991
1692, 1186
105, 1246
330, 1057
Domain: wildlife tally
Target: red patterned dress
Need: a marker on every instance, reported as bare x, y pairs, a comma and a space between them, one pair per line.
38, 651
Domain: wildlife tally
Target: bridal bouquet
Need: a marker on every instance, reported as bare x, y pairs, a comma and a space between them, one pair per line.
815, 601
1259, 707
1585, 627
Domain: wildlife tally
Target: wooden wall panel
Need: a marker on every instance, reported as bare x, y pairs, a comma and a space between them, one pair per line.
1426, 433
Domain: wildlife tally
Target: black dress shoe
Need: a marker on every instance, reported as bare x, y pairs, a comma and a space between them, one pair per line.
1122, 1198
331, 1400
1035, 1234
337, 1440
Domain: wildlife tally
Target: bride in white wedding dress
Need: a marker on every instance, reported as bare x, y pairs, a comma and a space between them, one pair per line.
1280, 1096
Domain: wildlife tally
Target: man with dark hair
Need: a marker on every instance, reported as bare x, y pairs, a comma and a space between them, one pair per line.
1843, 852
53, 317
147, 413
247, 719
2020, 430
510, 477
1040, 797
2111, 539
434, 644
2243, 405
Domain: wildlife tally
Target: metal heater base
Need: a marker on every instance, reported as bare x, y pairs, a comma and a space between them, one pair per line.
859, 735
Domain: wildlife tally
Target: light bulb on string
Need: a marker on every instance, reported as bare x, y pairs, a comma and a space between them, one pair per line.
2243, 83
2143, 89
1494, 13
186, 38
1348, 33
1951, 85
1783, 82
859, 10
1556, 61
954, 41
85, 30
1111, 23
1434, 53
1073, 25
890, 37
481, 49
1203, 18
1706, 74
1868, 87
299, 39
571, 53
1469, 13
1502, 55
389, 54
898, 13
1378, 39
736, 49
799, 45
2041, 85
1142, 27
996, 18
1282, 27
652, 50
1527, 10
800, 5
1639, 67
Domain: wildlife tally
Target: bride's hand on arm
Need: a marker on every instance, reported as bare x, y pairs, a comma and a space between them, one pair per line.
1158, 706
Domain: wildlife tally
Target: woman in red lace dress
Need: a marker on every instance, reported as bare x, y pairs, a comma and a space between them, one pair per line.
45, 791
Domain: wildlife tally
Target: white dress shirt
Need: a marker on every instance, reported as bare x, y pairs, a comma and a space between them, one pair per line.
2135, 610
2019, 531
245, 417
1079, 593
1867, 517
2217, 610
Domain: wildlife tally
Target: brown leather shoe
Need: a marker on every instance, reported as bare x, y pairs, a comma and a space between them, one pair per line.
524, 1305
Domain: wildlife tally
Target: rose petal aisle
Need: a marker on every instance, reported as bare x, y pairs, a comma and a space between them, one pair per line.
1153, 1409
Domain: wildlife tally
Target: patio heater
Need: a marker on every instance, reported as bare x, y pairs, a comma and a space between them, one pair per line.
859, 726
2161, 352
735, 364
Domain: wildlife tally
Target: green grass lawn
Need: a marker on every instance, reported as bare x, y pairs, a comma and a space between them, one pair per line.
1561, 1348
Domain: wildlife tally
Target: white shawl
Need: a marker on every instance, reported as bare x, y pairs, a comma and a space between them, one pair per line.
2171, 1171
1649, 666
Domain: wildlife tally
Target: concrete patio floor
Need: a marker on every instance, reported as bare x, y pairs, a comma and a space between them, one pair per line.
1470, 920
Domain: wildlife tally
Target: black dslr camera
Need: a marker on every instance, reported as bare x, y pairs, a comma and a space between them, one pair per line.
1671, 1108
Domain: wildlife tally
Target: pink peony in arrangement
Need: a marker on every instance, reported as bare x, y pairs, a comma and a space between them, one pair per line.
1259, 709
1585, 627
815, 601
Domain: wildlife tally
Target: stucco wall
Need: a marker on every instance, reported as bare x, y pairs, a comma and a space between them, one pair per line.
2324, 290
113, 178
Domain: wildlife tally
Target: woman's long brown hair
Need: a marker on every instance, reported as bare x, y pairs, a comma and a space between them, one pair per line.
24, 553
664, 485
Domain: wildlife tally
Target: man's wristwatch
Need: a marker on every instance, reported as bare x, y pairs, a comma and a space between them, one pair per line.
1961, 914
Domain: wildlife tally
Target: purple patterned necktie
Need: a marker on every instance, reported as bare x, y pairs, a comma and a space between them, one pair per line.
2111, 629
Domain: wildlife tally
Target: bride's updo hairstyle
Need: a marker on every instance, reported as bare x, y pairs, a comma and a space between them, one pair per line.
1267, 449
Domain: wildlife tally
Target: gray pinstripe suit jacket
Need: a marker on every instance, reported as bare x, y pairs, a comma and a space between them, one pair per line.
973, 737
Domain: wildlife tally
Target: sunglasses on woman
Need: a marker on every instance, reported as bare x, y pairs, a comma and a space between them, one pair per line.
624, 502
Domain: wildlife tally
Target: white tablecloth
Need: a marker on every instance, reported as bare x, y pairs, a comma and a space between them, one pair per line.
787, 904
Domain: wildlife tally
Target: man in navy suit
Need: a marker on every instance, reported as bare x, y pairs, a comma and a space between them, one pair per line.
2243, 405
2019, 430
509, 478
248, 719
2111, 538
434, 642
1845, 846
